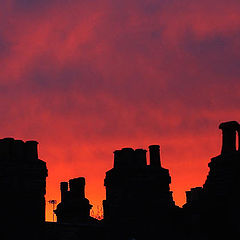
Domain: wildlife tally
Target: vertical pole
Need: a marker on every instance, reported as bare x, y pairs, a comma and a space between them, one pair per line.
53, 202
53, 210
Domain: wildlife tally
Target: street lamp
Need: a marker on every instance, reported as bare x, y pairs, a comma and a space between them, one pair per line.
53, 202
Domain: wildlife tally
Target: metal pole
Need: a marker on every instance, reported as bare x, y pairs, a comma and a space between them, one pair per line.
53, 202
53, 210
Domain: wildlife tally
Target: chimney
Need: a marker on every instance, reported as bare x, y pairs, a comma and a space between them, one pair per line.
140, 158
31, 151
18, 150
6, 145
64, 189
116, 162
124, 158
77, 186
127, 157
229, 130
155, 156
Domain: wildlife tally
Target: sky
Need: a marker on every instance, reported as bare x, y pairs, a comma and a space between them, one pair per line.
85, 78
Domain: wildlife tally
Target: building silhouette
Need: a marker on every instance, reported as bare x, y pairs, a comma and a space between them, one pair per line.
138, 195
74, 207
73, 215
23, 186
217, 201
138, 204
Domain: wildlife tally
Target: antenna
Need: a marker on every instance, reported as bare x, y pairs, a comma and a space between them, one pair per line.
53, 202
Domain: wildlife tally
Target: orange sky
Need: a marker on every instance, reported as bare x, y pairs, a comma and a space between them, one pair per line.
85, 78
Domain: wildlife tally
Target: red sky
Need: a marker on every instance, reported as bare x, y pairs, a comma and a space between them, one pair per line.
85, 78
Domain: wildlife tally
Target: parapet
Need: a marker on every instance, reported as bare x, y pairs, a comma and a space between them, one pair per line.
229, 131
12, 150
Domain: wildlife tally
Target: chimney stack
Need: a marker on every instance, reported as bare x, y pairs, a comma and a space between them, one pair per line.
229, 130
18, 150
64, 189
155, 156
6, 145
116, 158
127, 157
31, 150
124, 158
140, 158
77, 186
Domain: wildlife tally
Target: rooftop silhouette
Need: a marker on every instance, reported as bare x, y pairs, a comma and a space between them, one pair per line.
74, 207
23, 186
138, 204
217, 200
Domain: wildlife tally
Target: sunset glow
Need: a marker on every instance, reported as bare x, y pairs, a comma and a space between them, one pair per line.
84, 78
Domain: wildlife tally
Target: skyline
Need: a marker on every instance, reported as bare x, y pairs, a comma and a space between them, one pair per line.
86, 78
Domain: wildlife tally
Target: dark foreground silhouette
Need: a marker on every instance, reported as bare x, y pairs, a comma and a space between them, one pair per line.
138, 205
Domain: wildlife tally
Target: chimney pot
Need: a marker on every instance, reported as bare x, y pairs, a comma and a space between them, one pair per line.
229, 130
6, 149
64, 189
77, 186
140, 158
31, 151
116, 158
18, 150
155, 155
